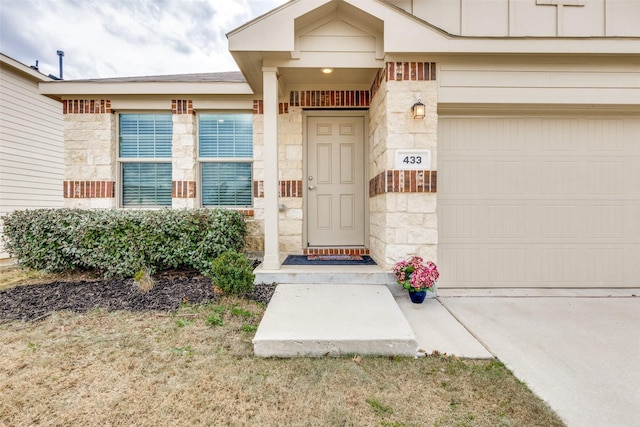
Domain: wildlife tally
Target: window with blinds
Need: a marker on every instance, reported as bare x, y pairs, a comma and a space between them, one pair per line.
143, 140
146, 135
226, 159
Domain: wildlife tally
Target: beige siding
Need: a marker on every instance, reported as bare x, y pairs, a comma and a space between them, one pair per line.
539, 202
533, 18
542, 81
31, 145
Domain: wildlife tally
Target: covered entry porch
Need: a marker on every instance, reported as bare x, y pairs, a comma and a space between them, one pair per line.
334, 112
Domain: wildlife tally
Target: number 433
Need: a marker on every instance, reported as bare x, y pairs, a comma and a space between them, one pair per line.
412, 160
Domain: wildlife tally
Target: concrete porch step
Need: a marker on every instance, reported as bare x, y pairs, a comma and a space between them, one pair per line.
346, 274
333, 319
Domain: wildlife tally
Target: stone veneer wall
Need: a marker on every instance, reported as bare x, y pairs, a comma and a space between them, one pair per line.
403, 220
90, 152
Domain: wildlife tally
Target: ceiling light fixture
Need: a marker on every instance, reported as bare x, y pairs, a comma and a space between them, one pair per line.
326, 70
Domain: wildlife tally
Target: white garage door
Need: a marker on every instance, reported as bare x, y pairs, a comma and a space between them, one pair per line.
539, 202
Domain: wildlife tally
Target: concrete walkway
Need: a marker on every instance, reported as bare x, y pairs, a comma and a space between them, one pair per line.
579, 350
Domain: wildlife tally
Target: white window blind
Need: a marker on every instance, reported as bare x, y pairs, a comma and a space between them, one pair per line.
226, 153
226, 135
145, 137
146, 184
227, 184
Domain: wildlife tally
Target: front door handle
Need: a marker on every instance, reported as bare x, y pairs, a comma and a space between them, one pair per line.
311, 187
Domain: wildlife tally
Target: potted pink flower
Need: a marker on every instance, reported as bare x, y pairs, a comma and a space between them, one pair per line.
416, 276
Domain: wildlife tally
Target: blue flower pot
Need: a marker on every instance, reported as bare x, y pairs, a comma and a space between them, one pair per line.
418, 297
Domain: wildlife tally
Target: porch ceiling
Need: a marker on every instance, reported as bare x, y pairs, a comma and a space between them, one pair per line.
313, 78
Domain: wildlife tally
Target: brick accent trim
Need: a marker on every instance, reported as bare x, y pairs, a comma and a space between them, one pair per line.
258, 107
89, 189
290, 188
416, 71
183, 189
86, 106
329, 98
336, 251
182, 106
287, 188
377, 82
245, 212
403, 181
404, 71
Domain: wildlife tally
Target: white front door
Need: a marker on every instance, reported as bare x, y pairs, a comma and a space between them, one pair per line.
335, 181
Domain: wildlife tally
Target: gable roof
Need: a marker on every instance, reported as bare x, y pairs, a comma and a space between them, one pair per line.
18, 67
271, 39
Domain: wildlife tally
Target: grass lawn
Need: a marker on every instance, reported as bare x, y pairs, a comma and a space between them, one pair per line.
196, 367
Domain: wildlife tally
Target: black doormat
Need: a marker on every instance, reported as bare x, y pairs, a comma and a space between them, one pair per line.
329, 260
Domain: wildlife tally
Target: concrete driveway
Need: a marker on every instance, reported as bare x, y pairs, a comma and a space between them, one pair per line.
579, 350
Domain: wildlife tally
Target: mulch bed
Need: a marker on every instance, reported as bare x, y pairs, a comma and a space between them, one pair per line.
169, 291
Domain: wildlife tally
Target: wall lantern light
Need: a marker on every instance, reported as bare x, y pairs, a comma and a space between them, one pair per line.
418, 110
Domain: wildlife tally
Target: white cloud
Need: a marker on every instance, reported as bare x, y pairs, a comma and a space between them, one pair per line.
112, 38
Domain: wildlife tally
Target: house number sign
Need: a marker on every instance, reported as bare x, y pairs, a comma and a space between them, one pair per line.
413, 159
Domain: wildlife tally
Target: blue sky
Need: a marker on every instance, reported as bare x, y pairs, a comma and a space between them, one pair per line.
114, 38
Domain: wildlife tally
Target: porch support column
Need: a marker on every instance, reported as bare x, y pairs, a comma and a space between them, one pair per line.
271, 235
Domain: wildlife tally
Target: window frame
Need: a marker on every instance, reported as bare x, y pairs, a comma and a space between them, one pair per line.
201, 160
121, 161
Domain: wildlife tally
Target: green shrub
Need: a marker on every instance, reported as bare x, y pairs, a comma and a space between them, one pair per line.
119, 243
42, 239
232, 272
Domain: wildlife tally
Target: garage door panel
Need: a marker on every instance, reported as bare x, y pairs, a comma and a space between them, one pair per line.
460, 177
604, 221
560, 177
605, 136
507, 266
606, 177
632, 228
558, 222
498, 129
561, 135
506, 222
559, 267
632, 176
605, 266
530, 202
457, 139
461, 222
463, 265
506, 177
